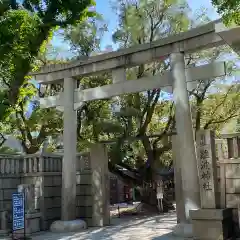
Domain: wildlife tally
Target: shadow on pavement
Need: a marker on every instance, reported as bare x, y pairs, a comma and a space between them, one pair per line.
155, 227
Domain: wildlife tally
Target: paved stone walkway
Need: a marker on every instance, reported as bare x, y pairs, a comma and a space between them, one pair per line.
125, 228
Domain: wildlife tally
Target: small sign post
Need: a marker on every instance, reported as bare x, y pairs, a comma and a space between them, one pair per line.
18, 208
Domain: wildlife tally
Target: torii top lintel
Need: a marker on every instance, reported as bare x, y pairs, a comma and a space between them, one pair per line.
210, 35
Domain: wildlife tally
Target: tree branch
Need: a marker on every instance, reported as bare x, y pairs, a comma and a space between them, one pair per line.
217, 107
5, 82
3, 139
28, 131
149, 110
220, 121
163, 149
150, 95
24, 138
42, 135
167, 127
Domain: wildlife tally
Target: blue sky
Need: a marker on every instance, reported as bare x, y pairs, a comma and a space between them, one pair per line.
104, 7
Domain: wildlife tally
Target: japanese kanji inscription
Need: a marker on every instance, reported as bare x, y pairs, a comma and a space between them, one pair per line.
206, 168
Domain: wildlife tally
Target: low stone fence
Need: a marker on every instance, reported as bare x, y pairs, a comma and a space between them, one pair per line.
18, 164
44, 173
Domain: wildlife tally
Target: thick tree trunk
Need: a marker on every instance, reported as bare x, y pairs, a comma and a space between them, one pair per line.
21, 70
32, 149
150, 159
149, 194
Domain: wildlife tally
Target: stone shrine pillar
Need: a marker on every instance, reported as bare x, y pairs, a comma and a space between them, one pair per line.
207, 168
186, 143
180, 207
209, 222
68, 221
100, 185
69, 157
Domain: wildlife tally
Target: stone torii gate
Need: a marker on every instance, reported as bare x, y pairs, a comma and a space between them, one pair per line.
179, 78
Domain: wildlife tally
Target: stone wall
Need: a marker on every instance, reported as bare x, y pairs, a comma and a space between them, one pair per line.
229, 173
44, 173
9, 181
228, 152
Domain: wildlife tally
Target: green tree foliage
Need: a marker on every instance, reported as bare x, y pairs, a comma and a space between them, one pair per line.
43, 123
90, 116
214, 110
219, 108
24, 28
143, 22
229, 9
32, 130
26, 121
84, 39
214, 88
107, 125
237, 127
141, 125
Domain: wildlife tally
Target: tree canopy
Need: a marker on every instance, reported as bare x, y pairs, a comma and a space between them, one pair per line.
137, 125
229, 9
25, 26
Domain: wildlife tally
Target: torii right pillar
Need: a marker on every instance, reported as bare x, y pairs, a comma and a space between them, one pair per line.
186, 145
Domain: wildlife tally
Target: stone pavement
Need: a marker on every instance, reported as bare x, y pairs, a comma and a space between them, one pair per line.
158, 227
126, 228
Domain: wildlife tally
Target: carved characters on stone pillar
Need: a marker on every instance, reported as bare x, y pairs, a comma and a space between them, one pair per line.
207, 186
204, 154
207, 168
202, 140
204, 165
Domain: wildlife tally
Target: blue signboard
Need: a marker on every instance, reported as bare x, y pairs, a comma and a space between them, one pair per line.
18, 211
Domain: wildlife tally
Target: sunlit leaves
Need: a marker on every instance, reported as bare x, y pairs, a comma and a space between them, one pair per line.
85, 37
128, 112
33, 130
230, 9
16, 30
24, 32
145, 21
110, 127
220, 108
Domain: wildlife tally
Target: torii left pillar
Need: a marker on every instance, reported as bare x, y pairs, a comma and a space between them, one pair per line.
69, 157
68, 221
